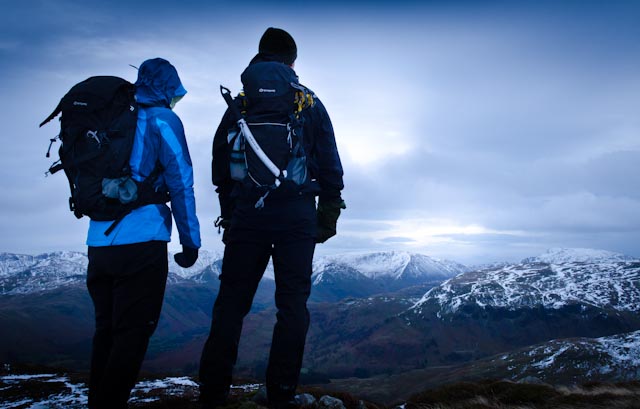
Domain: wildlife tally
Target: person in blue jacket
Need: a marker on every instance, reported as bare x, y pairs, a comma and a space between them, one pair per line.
128, 268
285, 229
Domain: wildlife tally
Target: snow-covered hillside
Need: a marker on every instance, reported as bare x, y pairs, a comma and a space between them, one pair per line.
557, 278
585, 358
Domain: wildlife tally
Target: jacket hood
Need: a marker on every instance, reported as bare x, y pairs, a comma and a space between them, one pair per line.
158, 83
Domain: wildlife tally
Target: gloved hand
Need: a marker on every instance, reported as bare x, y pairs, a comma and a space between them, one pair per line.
327, 217
187, 258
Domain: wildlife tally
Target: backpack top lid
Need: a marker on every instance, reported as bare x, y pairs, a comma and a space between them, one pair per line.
158, 83
268, 89
90, 95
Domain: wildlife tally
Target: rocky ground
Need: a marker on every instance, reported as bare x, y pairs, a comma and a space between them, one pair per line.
31, 388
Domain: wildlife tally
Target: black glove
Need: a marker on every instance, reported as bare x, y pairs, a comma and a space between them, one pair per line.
187, 258
327, 216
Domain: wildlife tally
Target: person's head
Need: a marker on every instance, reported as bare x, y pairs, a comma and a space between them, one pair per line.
158, 84
278, 43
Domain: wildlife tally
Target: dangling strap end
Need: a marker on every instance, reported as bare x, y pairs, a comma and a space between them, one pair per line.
260, 202
115, 224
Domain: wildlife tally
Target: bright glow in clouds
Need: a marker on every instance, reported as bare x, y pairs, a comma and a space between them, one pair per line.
367, 146
425, 232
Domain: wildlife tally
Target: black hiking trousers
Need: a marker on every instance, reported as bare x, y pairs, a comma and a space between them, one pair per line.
126, 284
284, 232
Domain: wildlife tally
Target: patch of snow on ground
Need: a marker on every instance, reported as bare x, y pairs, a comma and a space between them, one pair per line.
75, 396
24, 377
623, 349
548, 361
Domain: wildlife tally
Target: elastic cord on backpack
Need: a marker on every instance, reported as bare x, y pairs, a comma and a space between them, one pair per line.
260, 203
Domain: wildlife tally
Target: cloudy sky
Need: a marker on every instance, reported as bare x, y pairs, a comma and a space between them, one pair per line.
469, 130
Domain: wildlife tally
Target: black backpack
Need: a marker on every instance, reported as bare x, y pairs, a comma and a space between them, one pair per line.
97, 130
269, 121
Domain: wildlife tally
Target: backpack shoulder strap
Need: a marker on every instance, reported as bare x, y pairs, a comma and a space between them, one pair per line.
305, 98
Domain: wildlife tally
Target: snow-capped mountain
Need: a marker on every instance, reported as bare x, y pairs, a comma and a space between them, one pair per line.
14, 263
577, 255
205, 260
556, 279
393, 264
21, 274
365, 274
70, 262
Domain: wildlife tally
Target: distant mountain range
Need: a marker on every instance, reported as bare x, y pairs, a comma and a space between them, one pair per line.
335, 277
372, 313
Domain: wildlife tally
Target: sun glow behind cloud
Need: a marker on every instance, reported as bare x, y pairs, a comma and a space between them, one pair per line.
368, 146
420, 232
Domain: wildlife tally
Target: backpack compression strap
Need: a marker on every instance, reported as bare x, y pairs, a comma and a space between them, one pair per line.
244, 128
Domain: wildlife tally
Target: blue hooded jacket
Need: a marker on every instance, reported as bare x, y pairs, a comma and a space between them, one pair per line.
160, 140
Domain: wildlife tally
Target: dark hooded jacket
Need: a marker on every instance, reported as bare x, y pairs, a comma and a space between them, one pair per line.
325, 168
159, 140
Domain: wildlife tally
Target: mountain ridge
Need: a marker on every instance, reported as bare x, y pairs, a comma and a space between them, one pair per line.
553, 280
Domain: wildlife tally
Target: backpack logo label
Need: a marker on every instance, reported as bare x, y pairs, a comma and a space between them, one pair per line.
83, 104
267, 90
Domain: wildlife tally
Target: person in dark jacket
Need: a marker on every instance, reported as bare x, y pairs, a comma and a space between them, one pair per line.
128, 267
286, 230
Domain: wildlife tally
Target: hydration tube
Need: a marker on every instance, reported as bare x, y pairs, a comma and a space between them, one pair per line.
244, 128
